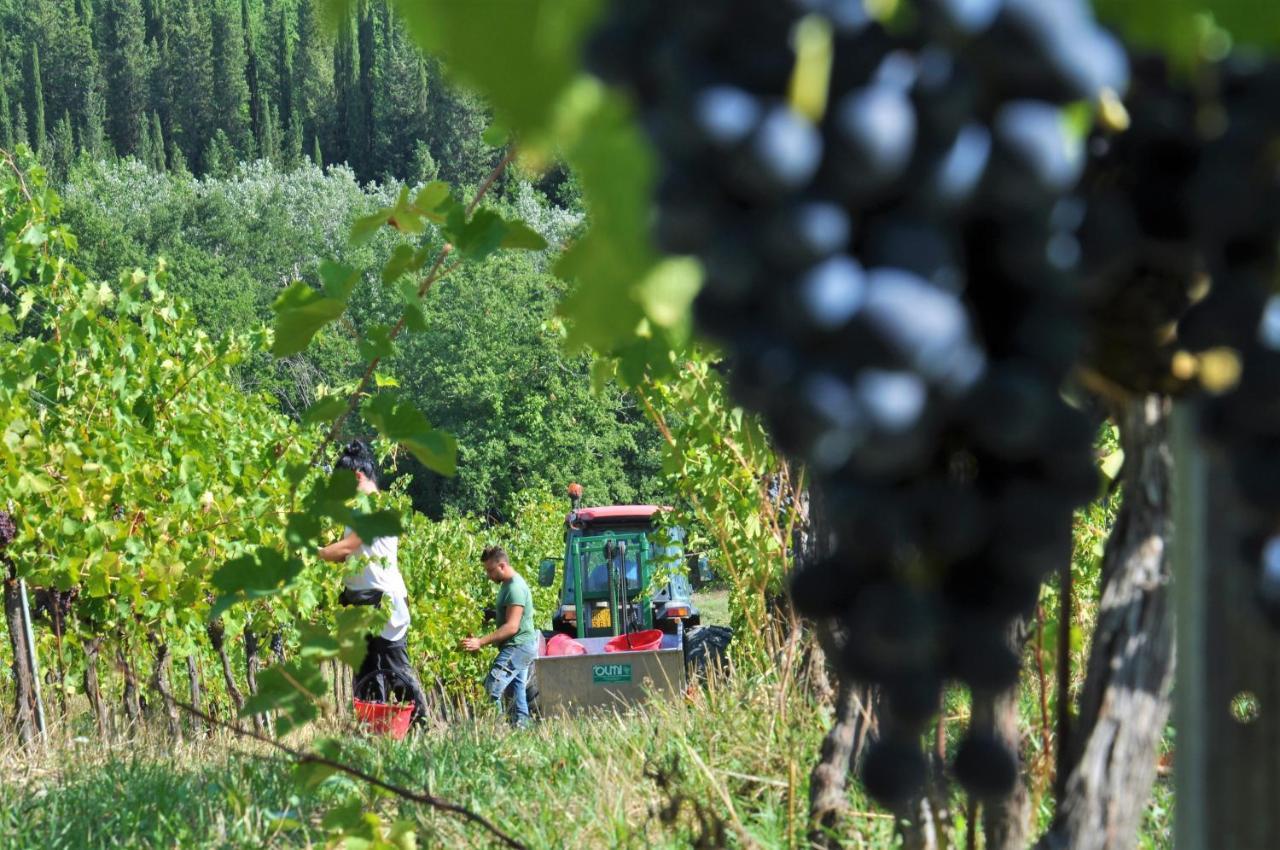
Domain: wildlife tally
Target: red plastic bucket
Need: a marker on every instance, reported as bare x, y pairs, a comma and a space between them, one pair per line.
388, 718
635, 642
561, 644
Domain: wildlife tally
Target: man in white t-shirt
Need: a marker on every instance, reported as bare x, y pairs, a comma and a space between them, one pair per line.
386, 668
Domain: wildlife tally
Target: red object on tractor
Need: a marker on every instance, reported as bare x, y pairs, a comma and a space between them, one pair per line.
644, 641
387, 718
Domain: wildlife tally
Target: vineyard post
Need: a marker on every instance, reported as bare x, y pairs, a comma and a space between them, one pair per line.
1227, 696
32, 660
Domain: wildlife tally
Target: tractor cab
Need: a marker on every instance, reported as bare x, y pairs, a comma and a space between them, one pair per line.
611, 554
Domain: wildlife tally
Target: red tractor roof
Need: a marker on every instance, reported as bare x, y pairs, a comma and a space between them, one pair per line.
623, 512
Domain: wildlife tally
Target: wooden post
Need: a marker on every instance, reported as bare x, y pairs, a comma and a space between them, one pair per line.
1227, 763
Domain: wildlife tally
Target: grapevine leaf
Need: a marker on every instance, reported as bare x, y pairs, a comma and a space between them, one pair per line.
364, 228
300, 313
522, 237
404, 259
329, 495
377, 524
431, 200
326, 409
401, 422
495, 135
339, 280
482, 235
520, 56
293, 691
376, 343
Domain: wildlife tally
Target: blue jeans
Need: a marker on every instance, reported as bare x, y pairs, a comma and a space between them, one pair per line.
510, 673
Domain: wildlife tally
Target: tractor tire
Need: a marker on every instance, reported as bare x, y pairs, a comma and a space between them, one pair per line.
531, 692
706, 648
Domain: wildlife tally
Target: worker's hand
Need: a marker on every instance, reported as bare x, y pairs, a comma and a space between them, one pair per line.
471, 644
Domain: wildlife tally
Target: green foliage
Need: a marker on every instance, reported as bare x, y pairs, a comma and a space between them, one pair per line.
1192, 31
737, 496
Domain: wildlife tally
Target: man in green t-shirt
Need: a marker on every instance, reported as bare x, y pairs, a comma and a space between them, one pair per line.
517, 644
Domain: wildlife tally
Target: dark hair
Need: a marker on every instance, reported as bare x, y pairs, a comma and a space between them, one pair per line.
493, 553
358, 457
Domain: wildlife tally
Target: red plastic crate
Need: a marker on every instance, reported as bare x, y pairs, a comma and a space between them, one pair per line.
386, 718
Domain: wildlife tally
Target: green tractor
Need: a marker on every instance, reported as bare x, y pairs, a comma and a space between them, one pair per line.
606, 596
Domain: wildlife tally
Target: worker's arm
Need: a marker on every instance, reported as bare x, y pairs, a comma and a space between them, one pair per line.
342, 549
504, 632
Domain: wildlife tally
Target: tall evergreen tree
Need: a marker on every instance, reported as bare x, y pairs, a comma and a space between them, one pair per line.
6, 122
158, 145
363, 133
313, 86
36, 99
252, 76
62, 148
269, 147
230, 87
93, 134
346, 94
125, 70
189, 71
316, 156
20, 126
177, 160
284, 72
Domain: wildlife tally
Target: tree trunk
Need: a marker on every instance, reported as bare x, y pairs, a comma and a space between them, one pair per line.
23, 675
842, 747
217, 637
160, 681
93, 690
193, 685
1130, 674
132, 706
1006, 822
251, 664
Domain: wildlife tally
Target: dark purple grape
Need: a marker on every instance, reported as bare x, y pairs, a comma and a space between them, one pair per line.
985, 766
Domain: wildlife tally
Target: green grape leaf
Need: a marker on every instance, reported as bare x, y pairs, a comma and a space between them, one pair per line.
522, 237
294, 692
401, 422
403, 259
364, 228
480, 236
519, 56
300, 313
339, 280
495, 135
325, 409
433, 200
329, 495
302, 530
376, 344
377, 524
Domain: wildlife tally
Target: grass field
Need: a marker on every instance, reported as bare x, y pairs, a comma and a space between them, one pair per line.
728, 766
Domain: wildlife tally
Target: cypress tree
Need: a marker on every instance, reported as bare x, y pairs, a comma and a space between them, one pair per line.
284, 72
125, 72
291, 153
178, 161
39, 137
93, 134
230, 88
6, 123
251, 73
62, 148
313, 86
20, 126
146, 152
189, 70
316, 156
269, 147
157, 143
368, 95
